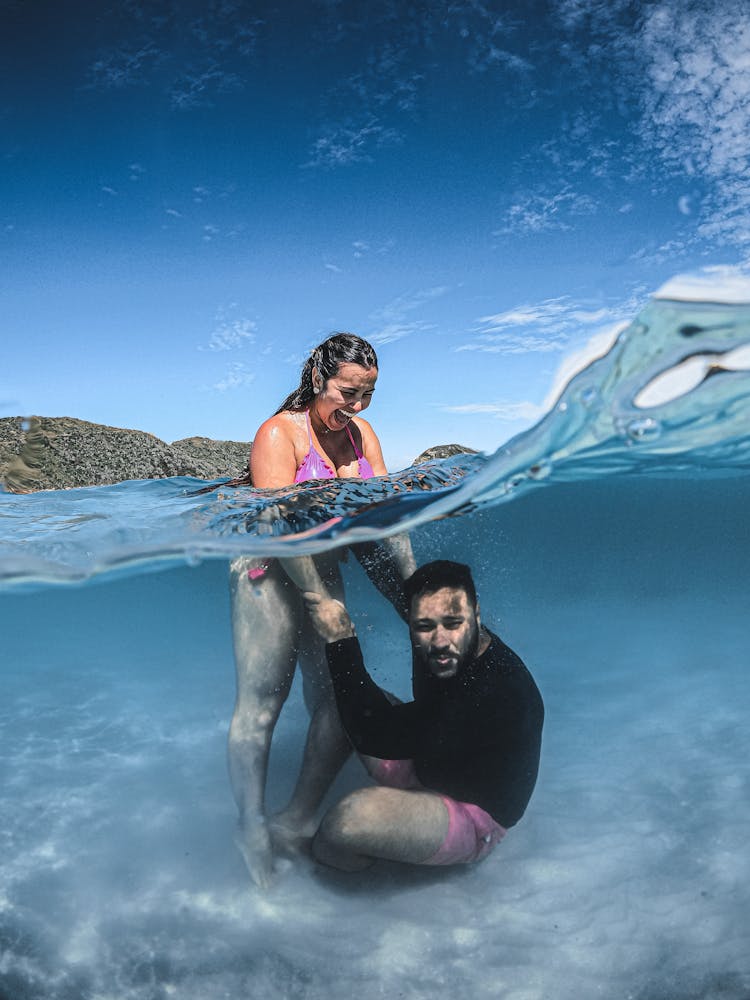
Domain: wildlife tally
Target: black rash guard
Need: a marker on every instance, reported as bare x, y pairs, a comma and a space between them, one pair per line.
475, 737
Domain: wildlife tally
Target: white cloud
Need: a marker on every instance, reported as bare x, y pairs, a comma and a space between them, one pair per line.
540, 327
362, 248
538, 213
392, 321
391, 332
576, 14
209, 59
350, 143
520, 410
519, 343
124, 66
696, 103
231, 334
196, 89
236, 378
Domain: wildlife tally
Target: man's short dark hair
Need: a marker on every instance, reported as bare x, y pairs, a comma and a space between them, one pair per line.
436, 575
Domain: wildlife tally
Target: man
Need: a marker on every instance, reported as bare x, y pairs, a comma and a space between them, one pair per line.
457, 765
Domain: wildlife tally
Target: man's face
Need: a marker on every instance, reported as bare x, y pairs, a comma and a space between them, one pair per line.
444, 629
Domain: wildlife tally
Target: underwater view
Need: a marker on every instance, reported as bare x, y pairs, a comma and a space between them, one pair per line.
610, 546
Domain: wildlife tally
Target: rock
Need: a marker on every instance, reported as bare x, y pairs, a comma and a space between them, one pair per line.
50, 453
223, 458
443, 451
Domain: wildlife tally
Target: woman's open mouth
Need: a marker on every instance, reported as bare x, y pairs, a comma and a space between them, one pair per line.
342, 417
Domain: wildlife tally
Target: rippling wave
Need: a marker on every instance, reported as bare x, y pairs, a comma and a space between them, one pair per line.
671, 397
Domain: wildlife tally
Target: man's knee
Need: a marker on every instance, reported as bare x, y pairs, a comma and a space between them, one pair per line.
343, 833
351, 818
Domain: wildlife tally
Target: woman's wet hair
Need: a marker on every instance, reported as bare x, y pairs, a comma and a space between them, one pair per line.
327, 358
435, 575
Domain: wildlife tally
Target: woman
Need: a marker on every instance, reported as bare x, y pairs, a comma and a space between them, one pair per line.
317, 433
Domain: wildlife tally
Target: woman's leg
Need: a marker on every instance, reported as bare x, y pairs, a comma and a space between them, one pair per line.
327, 746
266, 622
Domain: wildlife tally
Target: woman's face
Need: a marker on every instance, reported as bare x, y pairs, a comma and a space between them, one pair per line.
344, 395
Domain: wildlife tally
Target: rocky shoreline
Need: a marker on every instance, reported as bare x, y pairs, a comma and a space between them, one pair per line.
54, 453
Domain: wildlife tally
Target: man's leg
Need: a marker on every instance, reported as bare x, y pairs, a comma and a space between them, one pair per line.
388, 823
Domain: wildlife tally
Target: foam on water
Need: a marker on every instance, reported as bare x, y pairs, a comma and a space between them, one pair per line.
627, 596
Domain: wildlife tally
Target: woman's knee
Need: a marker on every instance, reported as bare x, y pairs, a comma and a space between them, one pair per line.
254, 718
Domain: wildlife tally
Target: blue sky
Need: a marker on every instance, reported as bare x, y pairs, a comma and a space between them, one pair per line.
195, 194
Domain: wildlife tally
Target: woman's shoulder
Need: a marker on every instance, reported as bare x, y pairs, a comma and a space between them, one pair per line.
365, 427
281, 425
278, 446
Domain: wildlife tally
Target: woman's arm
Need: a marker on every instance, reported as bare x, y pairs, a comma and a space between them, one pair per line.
303, 572
272, 458
389, 562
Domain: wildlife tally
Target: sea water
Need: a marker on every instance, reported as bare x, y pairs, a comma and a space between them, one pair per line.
611, 549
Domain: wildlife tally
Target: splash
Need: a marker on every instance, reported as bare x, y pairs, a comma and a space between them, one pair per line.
671, 397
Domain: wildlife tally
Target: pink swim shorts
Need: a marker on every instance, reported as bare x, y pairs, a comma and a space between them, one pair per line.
472, 832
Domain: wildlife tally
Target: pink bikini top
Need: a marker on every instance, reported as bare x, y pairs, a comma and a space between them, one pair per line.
314, 466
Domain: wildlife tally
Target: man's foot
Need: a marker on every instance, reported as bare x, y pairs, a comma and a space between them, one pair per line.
254, 843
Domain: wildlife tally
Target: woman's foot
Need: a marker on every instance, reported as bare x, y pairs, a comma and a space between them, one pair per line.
254, 843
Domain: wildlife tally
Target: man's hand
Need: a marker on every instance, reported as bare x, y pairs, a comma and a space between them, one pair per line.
330, 617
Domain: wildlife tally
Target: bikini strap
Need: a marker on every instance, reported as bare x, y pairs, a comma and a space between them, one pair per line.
357, 452
309, 428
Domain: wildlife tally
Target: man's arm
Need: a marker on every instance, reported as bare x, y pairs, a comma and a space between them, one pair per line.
374, 725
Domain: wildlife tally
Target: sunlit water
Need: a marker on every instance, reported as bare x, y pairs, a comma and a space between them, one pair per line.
611, 548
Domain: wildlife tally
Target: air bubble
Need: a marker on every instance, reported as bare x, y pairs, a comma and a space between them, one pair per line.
514, 481
643, 429
540, 470
590, 397
690, 330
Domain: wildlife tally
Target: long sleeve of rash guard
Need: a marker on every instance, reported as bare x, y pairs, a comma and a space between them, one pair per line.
374, 725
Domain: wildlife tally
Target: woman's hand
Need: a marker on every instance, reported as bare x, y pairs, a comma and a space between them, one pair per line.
329, 617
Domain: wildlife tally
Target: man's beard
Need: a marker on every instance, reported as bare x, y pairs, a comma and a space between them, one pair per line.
427, 659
